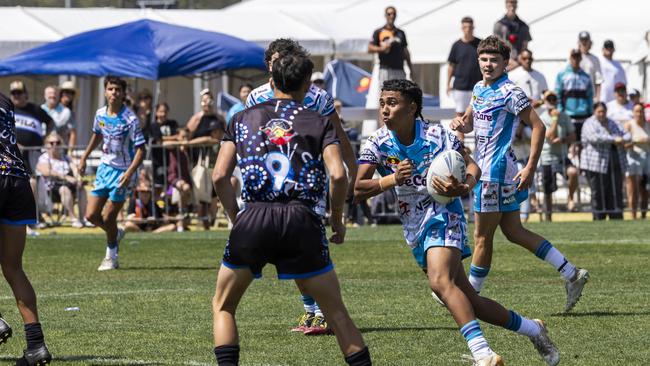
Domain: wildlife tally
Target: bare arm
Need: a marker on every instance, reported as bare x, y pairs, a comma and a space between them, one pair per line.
338, 190
72, 140
193, 122
530, 117
367, 187
464, 123
135, 163
347, 151
95, 140
450, 73
382, 48
407, 57
221, 174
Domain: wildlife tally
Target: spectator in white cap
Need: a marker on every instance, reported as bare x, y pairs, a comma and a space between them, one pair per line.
620, 109
318, 79
612, 70
635, 96
590, 63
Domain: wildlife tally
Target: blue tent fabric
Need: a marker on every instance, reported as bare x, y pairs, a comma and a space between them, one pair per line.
145, 48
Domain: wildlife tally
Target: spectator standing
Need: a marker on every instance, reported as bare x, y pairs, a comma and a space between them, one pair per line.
163, 130
560, 133
590, 63
143, 109
513, 31
603, 159
574, 92
391, 45
620, 109
463, 67
244, 90
179, 179
67, 93
612, 70
64, 123
531, 81
635, 96
638, 161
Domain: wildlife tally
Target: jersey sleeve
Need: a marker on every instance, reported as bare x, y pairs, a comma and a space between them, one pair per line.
327, 107
375, 37
229, 135
453, 143
250, 100
137, 137
404, 41
96, 129
453, 57
369, 153
516, 100
329, 135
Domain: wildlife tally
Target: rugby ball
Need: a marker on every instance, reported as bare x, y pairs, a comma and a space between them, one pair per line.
449, 162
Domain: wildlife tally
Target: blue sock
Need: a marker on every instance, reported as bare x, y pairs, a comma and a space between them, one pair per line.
477, 276
308, 302
522, 325
475, 340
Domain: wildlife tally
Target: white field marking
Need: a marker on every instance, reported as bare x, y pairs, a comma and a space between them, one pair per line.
106, 293
128, 361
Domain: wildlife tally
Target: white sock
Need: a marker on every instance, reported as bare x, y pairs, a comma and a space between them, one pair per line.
317, 311
475, 340
477, 276
561, 264
111, 252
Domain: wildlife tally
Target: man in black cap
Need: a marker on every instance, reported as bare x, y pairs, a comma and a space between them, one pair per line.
613, 72
590, 63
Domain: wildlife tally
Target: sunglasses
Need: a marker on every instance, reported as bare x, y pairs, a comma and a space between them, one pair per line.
17, 92
54, 142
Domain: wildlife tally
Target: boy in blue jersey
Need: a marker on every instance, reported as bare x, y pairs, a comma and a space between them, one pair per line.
401, 152
122, 153
497, 107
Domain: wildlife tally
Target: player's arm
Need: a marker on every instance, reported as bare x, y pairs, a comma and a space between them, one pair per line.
407, 58
367, 187
346, 149
338, 190
95, 140
530, 117
135, 163
450, 73
464, 123
221, 174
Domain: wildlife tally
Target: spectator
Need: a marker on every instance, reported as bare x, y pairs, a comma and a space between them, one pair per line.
532, 82
143, 111
163, 130
513, 31
560, 133
66, 96
620, 109
638, 161
391, 45
143, 213
635, 96
179, 179
64, 122
244, 90
574, 92
463, 67
317, 78
603, 160
590, 63
613, 72
62, 178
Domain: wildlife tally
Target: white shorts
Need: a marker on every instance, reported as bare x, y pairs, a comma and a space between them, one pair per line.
461, 99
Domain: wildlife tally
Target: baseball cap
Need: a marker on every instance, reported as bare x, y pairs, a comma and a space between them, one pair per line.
68, 85
317, 76
635, 93
584, 36
205, 91
17, 86
619, 85
609, 44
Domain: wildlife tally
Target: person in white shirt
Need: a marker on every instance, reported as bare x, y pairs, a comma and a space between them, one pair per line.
612, 70
590, 63
532, 82
620, 109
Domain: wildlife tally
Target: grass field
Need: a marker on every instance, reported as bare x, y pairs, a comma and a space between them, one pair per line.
155, 310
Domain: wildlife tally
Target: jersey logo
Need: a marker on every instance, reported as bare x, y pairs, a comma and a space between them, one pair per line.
392, 161
279, 131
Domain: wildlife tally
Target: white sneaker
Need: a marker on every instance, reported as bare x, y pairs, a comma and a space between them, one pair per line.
435, 297
574, 288
77, 224
88, 223
491, 360
108, 264
545, 346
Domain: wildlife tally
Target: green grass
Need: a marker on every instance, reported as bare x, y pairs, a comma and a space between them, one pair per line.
156, 309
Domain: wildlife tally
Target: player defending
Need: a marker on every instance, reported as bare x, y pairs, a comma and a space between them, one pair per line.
496, 109
312, 322
401, 152
122, 153
280, 148
17, 210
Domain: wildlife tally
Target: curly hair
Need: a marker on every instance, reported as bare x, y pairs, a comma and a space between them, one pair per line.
283, 46
494, 45
290, 72
410, 90
111, 79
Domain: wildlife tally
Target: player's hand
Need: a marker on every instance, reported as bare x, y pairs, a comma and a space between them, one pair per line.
124, 180
557, 140
404, 171
458, 123
338, 230
525, 177
82, 167
452, 187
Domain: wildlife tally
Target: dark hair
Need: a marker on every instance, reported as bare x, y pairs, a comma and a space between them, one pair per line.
246, 85
408, 89
390, 7
163, 104
283, 46
493, 45
467, 20
290, 72
145, 94
639, 103
526, 50
112, 79
600, 104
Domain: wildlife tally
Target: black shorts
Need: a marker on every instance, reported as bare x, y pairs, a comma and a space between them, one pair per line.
289, 235
549, 181
17, 205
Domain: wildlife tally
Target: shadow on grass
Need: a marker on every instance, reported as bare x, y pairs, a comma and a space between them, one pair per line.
602, 313
169, 268
397, 329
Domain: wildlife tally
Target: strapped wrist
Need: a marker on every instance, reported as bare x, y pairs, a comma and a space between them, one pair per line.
387, 182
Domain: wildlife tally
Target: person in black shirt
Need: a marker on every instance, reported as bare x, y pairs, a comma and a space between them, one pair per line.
17, 209
282, 149
463, 67
513, 31
163, 130
391, 45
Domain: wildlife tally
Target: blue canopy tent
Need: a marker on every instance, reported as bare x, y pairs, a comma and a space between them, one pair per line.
145, 49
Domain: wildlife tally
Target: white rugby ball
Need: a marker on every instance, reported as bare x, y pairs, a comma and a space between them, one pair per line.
448, 162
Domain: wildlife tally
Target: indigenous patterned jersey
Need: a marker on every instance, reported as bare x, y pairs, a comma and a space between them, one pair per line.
495, 111
11, 162
316, 99
418, 211
279, 151
121, 134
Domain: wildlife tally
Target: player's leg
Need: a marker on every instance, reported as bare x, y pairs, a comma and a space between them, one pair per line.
572, 180
327, 292
485, 225
231, 285
113, 234
575, 278
94, 210
309, 304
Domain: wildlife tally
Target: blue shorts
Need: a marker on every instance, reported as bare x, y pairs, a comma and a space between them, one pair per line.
106, 181
497, 197
452, 232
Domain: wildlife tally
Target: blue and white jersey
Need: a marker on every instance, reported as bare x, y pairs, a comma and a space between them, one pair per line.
418, 211
316, 99
121, 134
496, 108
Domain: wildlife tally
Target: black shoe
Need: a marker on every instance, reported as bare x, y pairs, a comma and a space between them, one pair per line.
35, 357
5, 331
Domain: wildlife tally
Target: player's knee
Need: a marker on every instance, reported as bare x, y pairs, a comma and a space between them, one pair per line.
220, 303
480, 241
440, 283
94, 217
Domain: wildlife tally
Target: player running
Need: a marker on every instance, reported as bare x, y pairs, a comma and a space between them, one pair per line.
401, 152
17, 210
280, 147
122, 153
496, 109
312, 322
